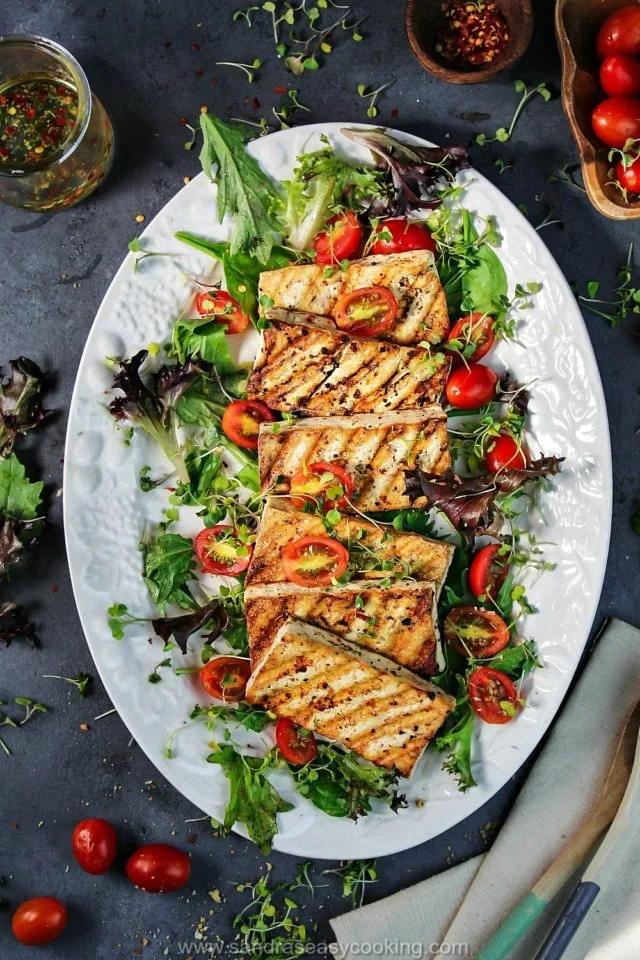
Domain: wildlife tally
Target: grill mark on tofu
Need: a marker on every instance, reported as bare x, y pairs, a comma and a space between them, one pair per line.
411, 276
375, 451
364, 701
310, 370
426, 559
398, 622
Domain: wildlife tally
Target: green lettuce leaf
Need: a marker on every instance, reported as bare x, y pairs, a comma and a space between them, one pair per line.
203, 338
19, 498
169, 564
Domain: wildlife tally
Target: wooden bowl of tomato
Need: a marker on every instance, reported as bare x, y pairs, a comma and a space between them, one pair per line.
599, 43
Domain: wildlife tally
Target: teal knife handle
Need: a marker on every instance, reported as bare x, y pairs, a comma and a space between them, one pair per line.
514, 927
569, 920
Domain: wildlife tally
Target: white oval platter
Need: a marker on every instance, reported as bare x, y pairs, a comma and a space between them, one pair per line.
106, 512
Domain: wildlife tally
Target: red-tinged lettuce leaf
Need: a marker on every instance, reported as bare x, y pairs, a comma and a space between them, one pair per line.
415, 170
14, 537
470, 502
14, 625
20, 406
211, 615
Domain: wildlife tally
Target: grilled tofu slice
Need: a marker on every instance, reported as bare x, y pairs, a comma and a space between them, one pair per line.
412, 278
374, 448
399, 621
402, 554
340, 691
305, 368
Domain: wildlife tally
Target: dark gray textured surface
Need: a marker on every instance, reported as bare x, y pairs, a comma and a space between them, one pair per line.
54, 274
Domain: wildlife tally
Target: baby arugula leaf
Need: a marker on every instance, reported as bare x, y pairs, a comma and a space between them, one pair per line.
252, 800
244, 190
169, 565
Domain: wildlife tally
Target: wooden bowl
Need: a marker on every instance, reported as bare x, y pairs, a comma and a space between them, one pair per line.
577, 25
424, 17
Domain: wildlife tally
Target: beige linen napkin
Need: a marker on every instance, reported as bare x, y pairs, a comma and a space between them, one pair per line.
466, 904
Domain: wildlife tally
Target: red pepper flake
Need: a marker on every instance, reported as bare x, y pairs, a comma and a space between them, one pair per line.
192, 838
195, 46
199, 73
394, 113
183, 121
167, 44
256, 103
281, 90
54, 588
473, 33
61, 122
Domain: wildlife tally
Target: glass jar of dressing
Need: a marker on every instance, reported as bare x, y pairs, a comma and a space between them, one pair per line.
56, 140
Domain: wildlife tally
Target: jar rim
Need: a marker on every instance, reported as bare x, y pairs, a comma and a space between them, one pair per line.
83, 89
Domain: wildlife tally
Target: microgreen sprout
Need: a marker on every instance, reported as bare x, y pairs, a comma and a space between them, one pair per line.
503, 134
550, 220
372, 96
566, 175
244, 15
503, 165
81, 681
356, 875
626, 296
247, 68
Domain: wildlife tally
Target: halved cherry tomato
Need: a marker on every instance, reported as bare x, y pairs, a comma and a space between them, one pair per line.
366, 312
617, 120
475, 335
472, 386
504, 452
327, 484
225, 678
493, 695
221, 551
404, 236
487, 572
314, 561
39, 921
340, 241
629, 177
222, 306
296, 744
474, 632
620, 33
94, 843
241, 422
158, 868
620, 76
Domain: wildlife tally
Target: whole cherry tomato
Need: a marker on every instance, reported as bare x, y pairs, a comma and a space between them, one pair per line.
399, 236
505, 453
158, 868
39, 921
472, 386
620, 33
629, 177
617, 120
94, 844
340, 241
620, 76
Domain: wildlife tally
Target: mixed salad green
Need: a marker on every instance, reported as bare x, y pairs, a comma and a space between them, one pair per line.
189, 397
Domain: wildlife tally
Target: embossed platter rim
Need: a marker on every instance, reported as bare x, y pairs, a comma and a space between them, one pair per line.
105, 513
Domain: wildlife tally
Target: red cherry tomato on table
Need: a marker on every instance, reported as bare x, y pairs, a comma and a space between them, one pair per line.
620, 33
404, 236
366, 312
39, 921
493, 695
296, 744
617, 120
474, 632
472, 386
473, 335
158, 868
315, 482
225, 678
620, 76
220, 551
241, 422
314, 561
629, 177
504, 453
221, 305
341, 240
487, 572
94, 843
